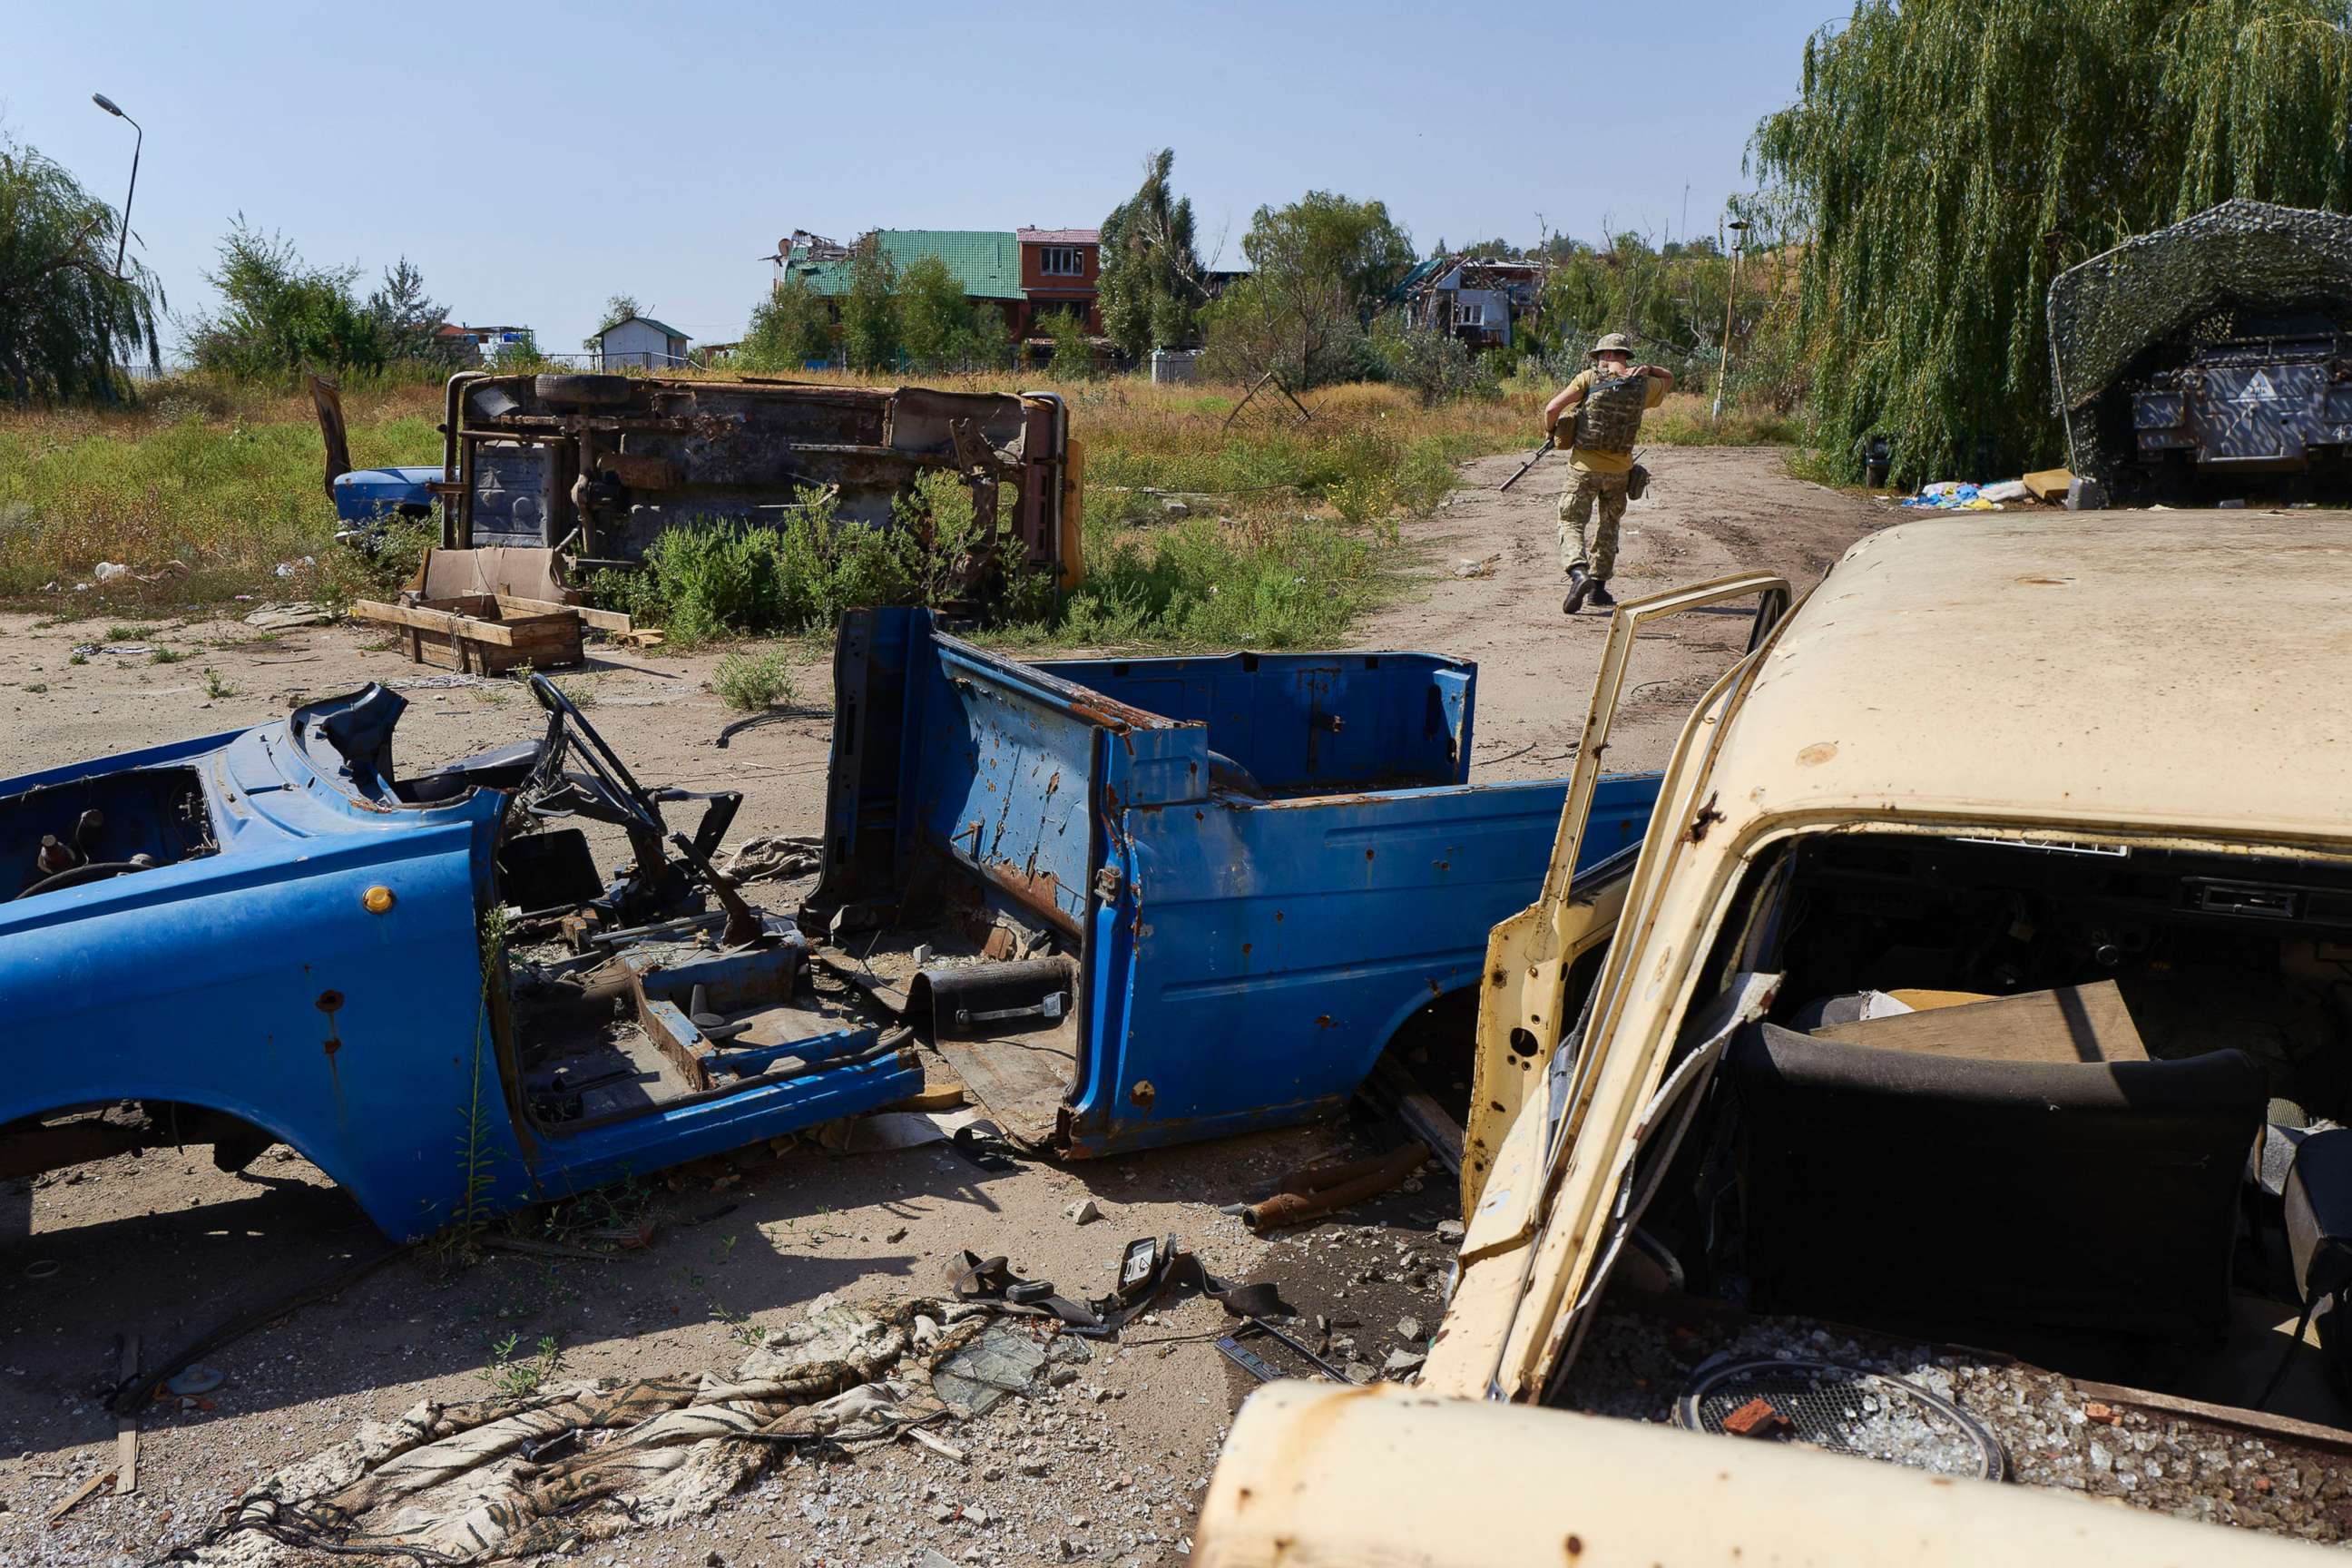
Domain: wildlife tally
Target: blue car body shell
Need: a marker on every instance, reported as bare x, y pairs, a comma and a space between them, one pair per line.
371, 495
257, 980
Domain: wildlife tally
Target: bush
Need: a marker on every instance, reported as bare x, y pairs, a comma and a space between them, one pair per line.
1437, 366
752, 683
711, 579
1074, 352
279, 315
387, 561
792, 328
1289, 585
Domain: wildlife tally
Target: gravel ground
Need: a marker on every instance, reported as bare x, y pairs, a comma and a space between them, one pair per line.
1635, 1365
1108, 1470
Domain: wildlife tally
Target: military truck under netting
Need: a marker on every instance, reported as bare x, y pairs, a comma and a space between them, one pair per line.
2210, 360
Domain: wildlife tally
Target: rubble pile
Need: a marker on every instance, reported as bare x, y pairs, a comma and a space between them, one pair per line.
1635, 1365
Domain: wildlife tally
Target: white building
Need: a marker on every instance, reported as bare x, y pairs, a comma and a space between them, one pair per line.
642, 343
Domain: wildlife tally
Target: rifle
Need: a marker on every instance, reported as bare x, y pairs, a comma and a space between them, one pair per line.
1549, 442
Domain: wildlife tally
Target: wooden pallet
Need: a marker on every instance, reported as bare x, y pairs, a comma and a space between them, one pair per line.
488, 634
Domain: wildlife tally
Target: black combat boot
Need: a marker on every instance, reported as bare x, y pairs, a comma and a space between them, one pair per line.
1602, 599
1580, 583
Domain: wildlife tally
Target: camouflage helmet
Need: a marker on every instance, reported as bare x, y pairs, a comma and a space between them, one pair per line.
1614, 343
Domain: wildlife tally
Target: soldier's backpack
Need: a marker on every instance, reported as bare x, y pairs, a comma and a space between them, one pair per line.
1610, 414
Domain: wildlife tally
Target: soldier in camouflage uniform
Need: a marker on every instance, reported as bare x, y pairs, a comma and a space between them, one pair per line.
1608, 401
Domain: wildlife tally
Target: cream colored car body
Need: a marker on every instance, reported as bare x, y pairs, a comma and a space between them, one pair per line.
2169, 681
1384, 1477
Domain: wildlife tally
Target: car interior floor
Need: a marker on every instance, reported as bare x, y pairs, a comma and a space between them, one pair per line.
2069, 1103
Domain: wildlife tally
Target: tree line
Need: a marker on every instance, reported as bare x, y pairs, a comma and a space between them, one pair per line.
1947, 159
1941, 163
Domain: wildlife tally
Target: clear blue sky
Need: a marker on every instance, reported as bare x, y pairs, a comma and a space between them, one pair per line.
533, 159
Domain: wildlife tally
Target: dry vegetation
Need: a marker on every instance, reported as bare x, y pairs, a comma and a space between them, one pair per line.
1283, 533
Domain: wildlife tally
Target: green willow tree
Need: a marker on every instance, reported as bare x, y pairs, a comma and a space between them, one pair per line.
64, 315
1945, 158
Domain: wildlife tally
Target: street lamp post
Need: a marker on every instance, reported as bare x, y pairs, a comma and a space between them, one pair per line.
1723, 360
123, 238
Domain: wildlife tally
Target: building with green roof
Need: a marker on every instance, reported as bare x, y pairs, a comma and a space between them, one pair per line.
1025, 273
986, 261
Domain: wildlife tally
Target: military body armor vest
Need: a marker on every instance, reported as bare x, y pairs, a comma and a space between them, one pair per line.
1610, 414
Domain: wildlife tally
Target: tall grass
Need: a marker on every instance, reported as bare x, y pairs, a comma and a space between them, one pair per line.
1281, 532
229, 482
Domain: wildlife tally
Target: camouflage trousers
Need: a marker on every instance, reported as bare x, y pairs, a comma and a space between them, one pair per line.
1580, 544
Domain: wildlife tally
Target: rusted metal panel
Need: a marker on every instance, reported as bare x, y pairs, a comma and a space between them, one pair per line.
609, 462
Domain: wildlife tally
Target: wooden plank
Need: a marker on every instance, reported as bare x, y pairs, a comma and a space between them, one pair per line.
2073, 1024
126, 1427
1923, 1000
603, 620
80, 1494
425, 620
938, 1445
2234, 1415
2049, 484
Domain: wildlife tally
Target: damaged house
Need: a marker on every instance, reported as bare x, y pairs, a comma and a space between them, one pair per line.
1477, 300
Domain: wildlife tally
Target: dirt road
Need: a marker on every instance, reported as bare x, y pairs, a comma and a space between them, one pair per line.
164, 1247
1709, 512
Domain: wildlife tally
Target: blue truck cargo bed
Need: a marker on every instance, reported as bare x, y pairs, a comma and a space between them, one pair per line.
1201, 895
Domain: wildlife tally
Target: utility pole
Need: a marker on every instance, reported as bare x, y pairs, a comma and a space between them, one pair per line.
1723, 359
123, 238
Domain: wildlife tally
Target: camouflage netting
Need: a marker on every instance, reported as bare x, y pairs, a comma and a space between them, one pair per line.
2107, 313
493, 1479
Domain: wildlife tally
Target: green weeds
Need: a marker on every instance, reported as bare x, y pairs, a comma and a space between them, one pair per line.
475, 1151
752, 683
513, 1378
703, 580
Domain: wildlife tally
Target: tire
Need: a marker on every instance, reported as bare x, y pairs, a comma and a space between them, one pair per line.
582, 391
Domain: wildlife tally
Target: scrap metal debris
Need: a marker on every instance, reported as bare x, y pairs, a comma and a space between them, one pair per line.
1325, 1188
759, 859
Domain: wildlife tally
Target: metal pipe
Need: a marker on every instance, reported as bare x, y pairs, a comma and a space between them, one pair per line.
450, 404
1297, 1208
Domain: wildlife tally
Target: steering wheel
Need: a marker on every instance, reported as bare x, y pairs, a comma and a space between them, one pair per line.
607, 782
75, 875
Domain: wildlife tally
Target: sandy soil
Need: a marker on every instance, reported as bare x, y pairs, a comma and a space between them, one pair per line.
164, 1247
